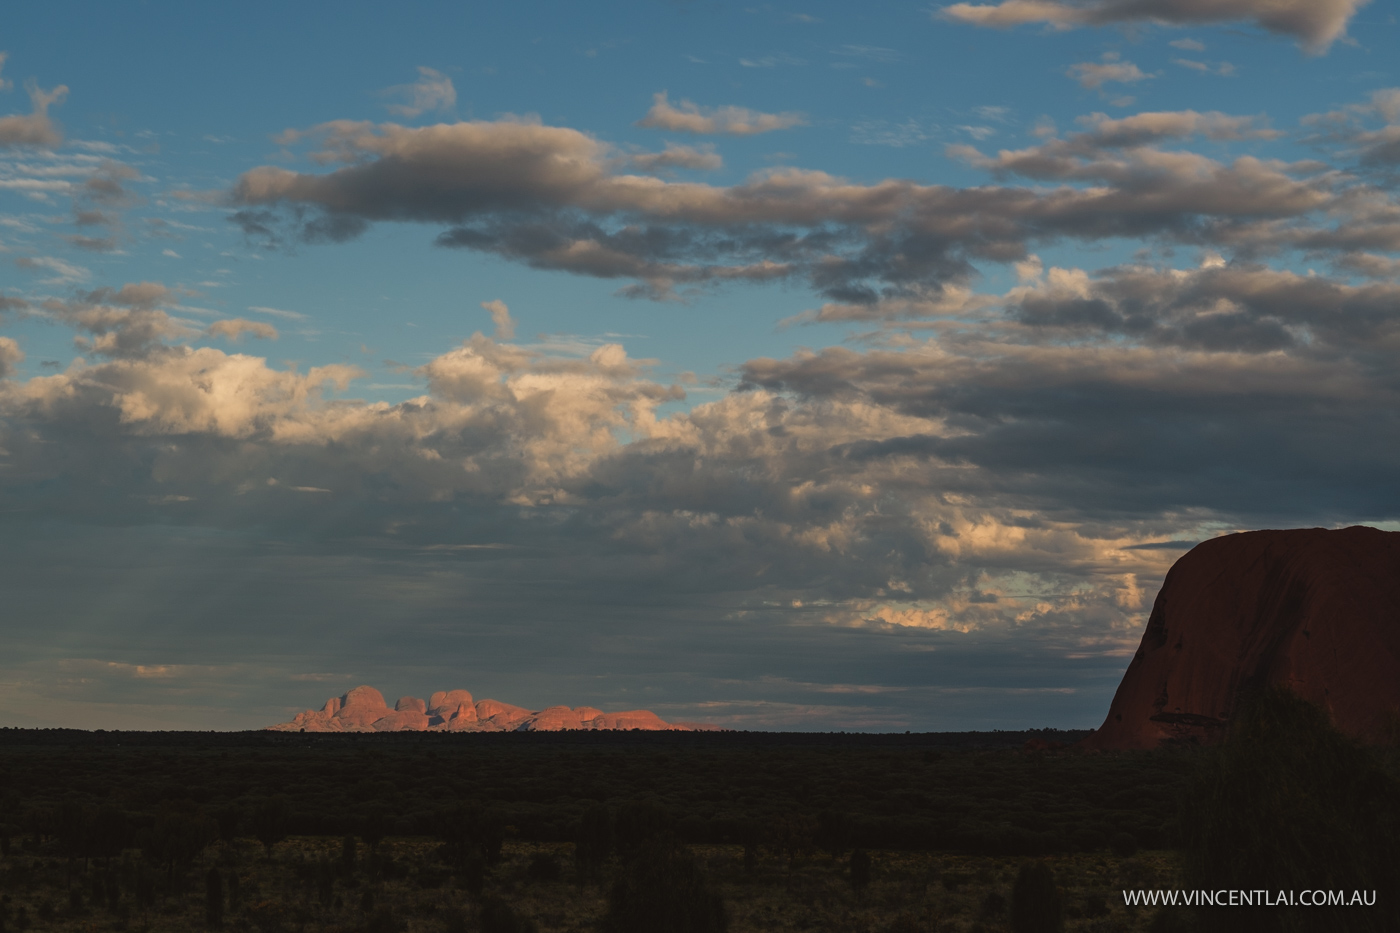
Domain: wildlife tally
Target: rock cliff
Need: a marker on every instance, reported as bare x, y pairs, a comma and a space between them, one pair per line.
1315, 610
364, 709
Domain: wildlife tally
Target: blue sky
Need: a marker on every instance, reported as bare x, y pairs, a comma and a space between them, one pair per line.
780, 366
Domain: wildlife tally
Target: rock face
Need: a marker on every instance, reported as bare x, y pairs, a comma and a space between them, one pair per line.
1315, 610
364, 710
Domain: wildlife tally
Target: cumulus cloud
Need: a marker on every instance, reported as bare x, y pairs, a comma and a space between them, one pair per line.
731, 121
1316, 24
10, 355
35, 128
432, 91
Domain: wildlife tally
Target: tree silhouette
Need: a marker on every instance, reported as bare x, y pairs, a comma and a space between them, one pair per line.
662, 889
1035, 900
269, 822
1289, 803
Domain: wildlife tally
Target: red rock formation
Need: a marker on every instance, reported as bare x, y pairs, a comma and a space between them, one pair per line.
1315, 610
364, 710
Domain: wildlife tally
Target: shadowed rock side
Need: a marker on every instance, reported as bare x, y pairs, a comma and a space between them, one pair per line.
1315, 610
364, 710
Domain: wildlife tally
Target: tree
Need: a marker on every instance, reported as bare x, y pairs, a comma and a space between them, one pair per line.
214, 898
593, 842
1035, 900
1290, 803
373, 828
663, 890
269, 822
176, 838
860, 870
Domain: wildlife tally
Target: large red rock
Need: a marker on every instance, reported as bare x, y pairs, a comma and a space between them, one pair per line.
364, 710
1315, 610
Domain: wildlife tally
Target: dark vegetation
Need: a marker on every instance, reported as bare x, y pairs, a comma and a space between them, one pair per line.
85, 790
684, 832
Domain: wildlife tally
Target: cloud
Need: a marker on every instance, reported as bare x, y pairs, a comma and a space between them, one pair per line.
235, 328
10, 355
1353, 128
278, 312
1224, 69
553, 198
674, 156
35, 128
1316, 24
1094, 76
988, 481
65, 272
731, 121
432, 91
500, 316
1188, 45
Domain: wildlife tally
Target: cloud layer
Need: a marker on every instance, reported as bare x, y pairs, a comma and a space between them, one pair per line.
1316, 24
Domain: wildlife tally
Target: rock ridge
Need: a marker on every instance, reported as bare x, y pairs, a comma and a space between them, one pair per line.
364, 709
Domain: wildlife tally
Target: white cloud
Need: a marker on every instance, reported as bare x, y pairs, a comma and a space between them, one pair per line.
733, 121
432, 91
500, 316
1316, 24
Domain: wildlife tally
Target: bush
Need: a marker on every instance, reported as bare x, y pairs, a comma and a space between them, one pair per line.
1035, 900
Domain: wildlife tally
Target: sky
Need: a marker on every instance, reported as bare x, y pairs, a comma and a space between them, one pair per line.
807, 366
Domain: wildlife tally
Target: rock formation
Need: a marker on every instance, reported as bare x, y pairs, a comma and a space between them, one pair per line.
364, 710
1315, 610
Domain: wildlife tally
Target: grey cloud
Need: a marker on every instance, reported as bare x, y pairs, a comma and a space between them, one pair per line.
36, 128
550, 197
235, 328
1094, 75
1316, 24
1372, 146
992, 484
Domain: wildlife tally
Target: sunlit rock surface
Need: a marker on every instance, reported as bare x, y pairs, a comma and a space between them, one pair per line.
364, 710
1315, 610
